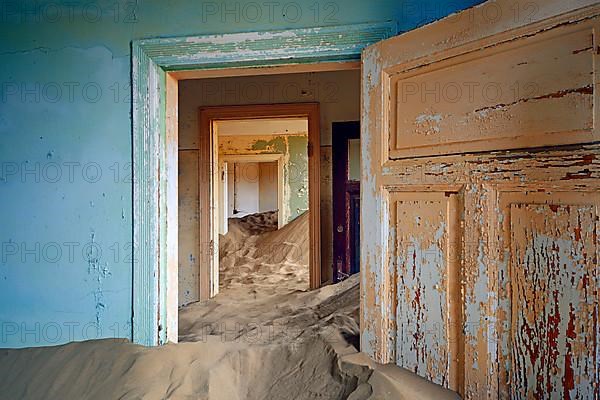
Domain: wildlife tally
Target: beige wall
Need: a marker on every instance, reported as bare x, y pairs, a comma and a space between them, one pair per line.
338, 94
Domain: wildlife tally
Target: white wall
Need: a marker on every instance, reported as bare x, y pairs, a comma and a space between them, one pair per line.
224, 200
246, 187
230, 191
255, 187
267, 198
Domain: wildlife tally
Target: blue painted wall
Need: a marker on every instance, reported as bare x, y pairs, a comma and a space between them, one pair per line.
65, 145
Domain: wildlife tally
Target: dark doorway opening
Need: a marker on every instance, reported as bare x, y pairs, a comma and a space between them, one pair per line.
346, 199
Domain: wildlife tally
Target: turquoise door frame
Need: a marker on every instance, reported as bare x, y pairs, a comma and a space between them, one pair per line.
154, 160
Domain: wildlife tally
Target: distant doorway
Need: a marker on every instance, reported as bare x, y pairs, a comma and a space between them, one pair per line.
251, 183
346, 199
222, 129
263, 207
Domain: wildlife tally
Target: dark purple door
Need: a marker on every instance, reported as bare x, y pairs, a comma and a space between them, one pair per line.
346, 199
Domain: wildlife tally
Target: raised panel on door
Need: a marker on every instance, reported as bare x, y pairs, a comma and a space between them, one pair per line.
550, 251
427, 266
538, 89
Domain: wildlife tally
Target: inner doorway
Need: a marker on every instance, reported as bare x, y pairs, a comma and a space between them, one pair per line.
253, 183
263, 202
216, 119
248, 289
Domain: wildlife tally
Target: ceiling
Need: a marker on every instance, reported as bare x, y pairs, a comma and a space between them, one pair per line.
263, 126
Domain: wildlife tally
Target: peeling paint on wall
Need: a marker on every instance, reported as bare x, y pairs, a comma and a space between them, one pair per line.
293, 148
72, 50
71, 149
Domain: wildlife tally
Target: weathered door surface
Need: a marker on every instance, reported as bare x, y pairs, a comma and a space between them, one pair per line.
346, 198
480, 195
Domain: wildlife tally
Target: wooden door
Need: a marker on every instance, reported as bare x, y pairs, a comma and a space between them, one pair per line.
480, 201
346, 199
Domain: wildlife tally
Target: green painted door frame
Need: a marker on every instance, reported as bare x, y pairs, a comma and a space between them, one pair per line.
154, 161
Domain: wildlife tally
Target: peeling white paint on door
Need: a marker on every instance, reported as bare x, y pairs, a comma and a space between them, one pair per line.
479, 225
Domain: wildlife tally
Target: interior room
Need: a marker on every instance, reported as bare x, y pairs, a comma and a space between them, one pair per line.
262, 184
284, 139
302, 200
261, 198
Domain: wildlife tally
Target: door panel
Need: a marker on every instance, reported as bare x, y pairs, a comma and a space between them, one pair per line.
355, 232
427, 275
552, 305
514, 95
479, 253
549, 248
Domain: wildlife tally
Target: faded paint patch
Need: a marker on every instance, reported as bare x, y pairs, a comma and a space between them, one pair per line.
554, 313
293, 148
423, 314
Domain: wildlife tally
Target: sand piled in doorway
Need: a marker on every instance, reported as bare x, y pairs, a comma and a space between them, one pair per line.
227, 357
261, 338
256, 256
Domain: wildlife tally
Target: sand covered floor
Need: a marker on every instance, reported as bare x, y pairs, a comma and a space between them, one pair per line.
264, 336
257, 257
272, 347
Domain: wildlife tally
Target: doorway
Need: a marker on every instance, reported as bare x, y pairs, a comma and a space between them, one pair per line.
216, 120
338, 95
346, 199
249, 184
157, 67
263, 206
